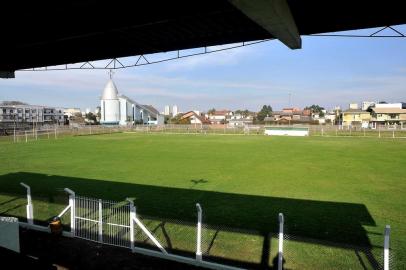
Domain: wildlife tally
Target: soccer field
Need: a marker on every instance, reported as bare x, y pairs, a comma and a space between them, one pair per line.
337, 194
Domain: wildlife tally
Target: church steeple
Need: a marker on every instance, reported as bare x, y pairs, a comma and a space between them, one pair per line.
110, 91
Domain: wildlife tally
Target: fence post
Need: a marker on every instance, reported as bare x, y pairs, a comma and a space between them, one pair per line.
72, 210
386, 248
100, 221
29, 207
280, 249
199, 233
132, 217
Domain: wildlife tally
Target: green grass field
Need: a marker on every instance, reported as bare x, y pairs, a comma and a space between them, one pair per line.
337, 194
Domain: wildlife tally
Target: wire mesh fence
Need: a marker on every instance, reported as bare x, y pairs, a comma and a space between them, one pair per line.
176, 236
116, 223
234, 246
309, 253
228, 241
107, 222
50, 132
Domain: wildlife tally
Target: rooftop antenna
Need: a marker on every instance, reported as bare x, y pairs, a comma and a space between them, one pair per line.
111, 73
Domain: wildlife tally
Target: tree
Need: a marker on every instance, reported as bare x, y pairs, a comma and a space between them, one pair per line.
91, 117
98, 112
264, 112
321, 114
176, 119
167, 119
370, 108
211, 111
315, 108
244, 113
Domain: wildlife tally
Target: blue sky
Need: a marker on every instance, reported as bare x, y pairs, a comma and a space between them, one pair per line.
327, 71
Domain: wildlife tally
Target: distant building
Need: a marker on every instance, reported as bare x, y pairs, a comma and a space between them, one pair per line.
175, 110
355, 116
31, 114
171, 110
120, 110
389, 105
220, 117
353, 106
194, 118
239, 120
69, 112
333, 116
388, 116
167, 110
290, 115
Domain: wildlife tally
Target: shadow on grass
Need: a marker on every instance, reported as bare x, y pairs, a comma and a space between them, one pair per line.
322, 222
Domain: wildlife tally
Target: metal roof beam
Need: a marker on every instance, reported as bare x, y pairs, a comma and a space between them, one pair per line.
275, 17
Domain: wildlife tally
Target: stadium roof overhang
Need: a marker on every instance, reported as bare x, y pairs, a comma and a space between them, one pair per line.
46, 33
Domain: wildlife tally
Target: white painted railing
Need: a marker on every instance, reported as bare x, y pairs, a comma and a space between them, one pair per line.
386, 248
135, 221
29, 207
199, 233
280, 246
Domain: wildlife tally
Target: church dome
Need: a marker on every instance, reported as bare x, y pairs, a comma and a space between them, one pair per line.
110, 91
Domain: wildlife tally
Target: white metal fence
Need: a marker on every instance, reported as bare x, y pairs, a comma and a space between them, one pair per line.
56, 132
102, 221
116, 223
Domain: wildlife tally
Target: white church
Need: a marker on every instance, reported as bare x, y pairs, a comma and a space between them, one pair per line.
120, 110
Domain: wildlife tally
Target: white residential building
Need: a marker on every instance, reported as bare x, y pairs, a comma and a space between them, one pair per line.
220, 117
239, 120
69, 112
353, 106
30, 114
